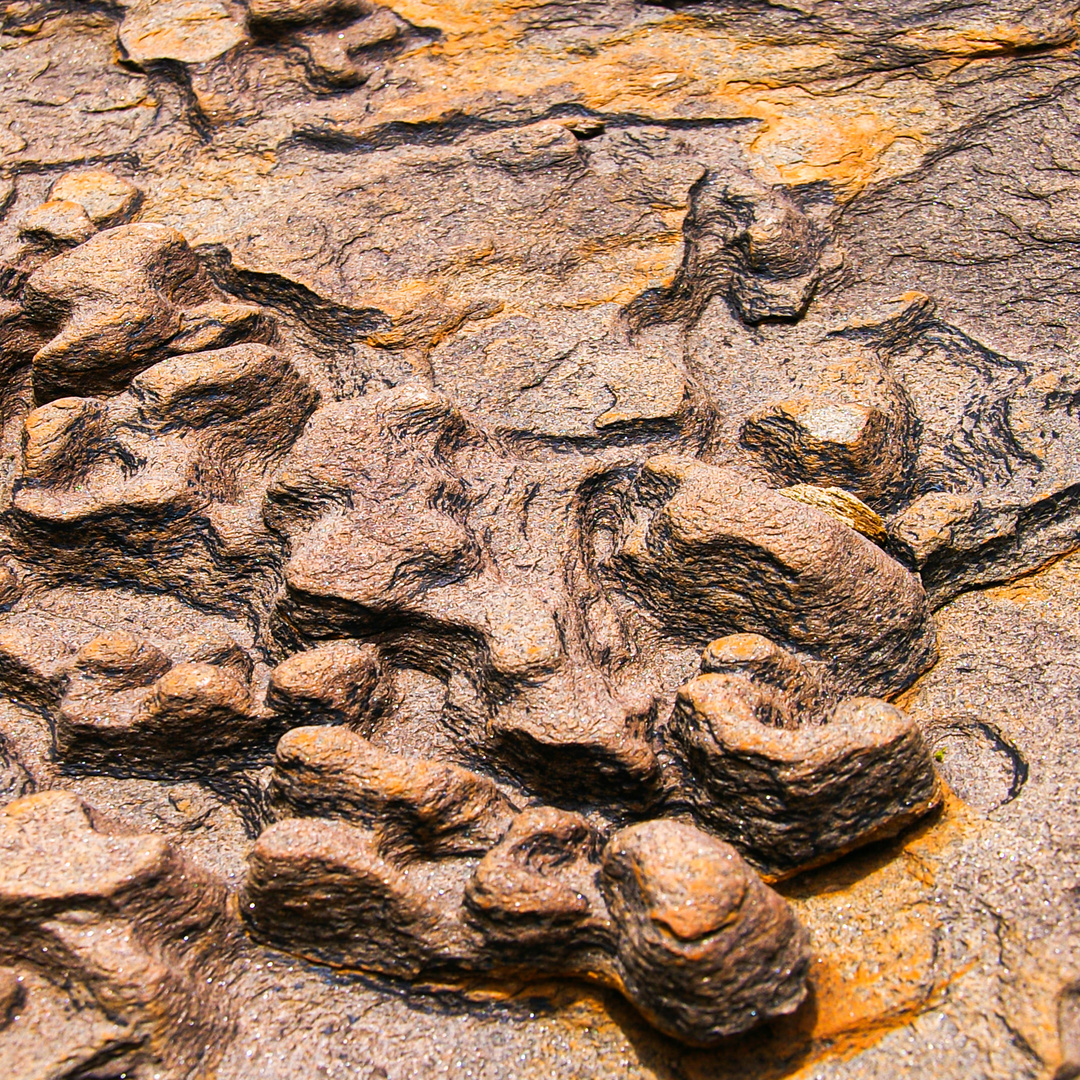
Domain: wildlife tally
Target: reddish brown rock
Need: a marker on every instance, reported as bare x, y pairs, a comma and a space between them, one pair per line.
790, 799
321, 887
710, 552
705, 949
59, 222
412, 806
535, 892
139, 932
456, 275
127, 707
337, 683
114, 303
12, 994
109, 200
670, 916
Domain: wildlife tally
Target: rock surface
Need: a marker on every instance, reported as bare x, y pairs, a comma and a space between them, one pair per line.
528, 537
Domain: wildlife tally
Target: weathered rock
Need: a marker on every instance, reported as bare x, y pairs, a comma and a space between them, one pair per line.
799, 694
337, 683
534, 894
708, 552
164, 481
573, 376
131, 717
107, 199
322, 886
114, 302
573, 729
673, 918
412, 806
15, 781
58, 222
820, 250
750, 243
190, 31
123, 918
12, 994
34, 661
847, 446
705, 949
300, 12
791, 799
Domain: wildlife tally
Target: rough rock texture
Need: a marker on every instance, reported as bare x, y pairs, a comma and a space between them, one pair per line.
528, 537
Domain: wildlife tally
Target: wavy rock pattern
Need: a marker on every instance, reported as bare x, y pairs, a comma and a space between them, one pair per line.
476, 483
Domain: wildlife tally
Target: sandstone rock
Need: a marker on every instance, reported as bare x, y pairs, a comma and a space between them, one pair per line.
12, 994
337, 683
557, 377
219, 650
537, 146
673, 918
456, 275
108, 199
123, 918
190, 31
790, 799
338, 57
721, 553
299, 12
706, 950
34, 662
121, 711
854, 447
572, 729
121, 481
411, 806
60, 222
753, 244
799, 694
122, 660
10, 586
114, 303
62, 439
245, 397
536, 889
15, 781
321, 885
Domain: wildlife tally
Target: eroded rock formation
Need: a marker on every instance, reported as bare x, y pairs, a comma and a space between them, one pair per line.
510, 493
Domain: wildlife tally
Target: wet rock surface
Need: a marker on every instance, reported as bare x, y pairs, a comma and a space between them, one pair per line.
537, 540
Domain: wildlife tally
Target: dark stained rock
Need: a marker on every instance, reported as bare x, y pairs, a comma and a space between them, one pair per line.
12, 994
419, 388
337, 683
322, 886
140, 932
670, 916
